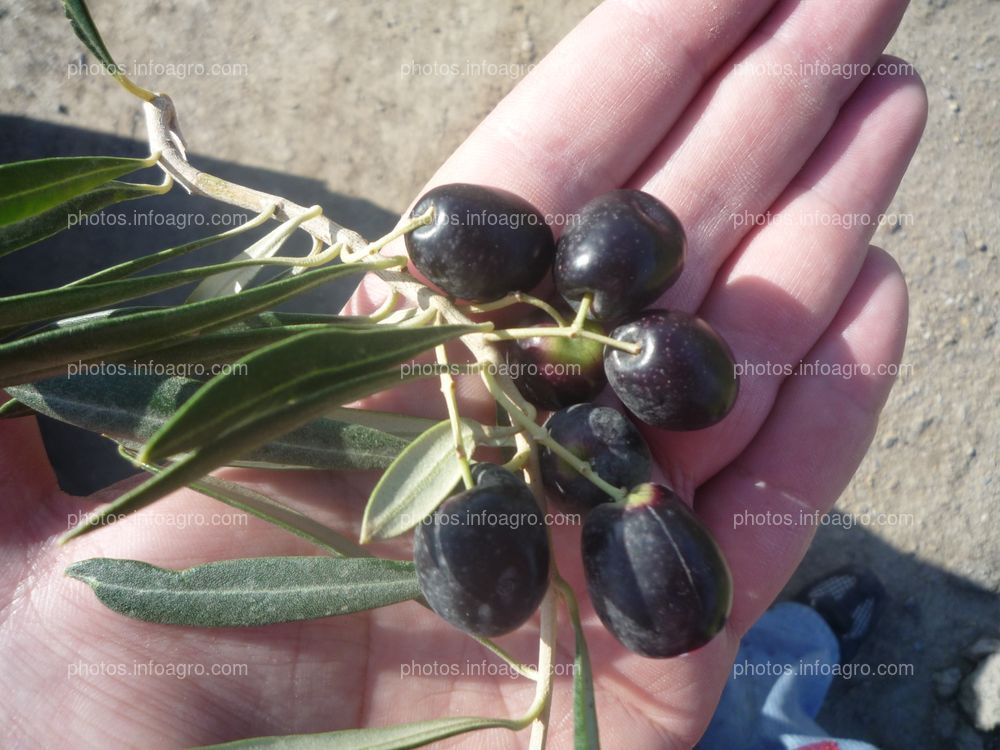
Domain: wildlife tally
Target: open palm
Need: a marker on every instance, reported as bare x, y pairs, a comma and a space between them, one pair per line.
726, 111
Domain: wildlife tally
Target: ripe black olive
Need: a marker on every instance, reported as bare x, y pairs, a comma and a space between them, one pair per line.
655, 575
483, 242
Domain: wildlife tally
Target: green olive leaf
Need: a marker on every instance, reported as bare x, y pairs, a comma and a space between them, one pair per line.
233, 282
27, 188
270, 510
248, 592
423, 475
85, 29
130, 408
47, 353
397, 737
133, 266
286, 371
54, 220
264, 427
585, 732
14, 409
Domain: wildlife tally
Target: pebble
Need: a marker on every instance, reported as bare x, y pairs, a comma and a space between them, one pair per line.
980, 694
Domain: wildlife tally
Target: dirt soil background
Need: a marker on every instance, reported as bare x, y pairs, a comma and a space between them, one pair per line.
354, 105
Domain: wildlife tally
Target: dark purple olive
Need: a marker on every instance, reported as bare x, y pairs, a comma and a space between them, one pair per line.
553, 372
483, 242
655, 575
684, 378
626, 249
482, 557
605, 439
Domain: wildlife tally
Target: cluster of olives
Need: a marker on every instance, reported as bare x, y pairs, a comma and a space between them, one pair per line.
657, 579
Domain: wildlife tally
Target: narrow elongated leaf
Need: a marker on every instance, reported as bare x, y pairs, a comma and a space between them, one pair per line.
47, 353
415, 483
248, 592
233, 282
270, 510
399, 737
13, 409
86, 31
402, 425
266, 426
28, 188
132, 407
31, 307
286, 371
585, 732
204, 351
54, 220
130, 267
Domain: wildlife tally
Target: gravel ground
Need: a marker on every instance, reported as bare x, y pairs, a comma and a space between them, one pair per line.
347, 105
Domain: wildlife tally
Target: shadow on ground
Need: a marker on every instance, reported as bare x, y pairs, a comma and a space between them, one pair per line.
932, 619
85, 462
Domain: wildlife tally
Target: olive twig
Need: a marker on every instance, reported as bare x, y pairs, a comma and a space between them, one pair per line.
513, 299
509, 334
448, 389
548, 618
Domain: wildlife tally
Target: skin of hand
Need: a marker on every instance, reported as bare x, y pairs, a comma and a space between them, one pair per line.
727, 112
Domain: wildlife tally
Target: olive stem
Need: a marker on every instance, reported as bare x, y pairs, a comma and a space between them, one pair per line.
448, 389
420, 319
541, 706
567, 332
581, 313
522, 669
384, 310
517, 461
404, 227
541, 435
513, 299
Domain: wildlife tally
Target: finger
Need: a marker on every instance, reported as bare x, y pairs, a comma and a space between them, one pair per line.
595, 107
785, 283
759, 120
582, 121
811, 444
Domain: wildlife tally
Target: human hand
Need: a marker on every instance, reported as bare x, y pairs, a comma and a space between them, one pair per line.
643, 95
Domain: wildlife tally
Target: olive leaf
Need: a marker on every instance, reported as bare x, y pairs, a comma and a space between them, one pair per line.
47, 353
36, 228
402, 425
130, 408
248, 592
85, 29
133, 266
32, 307
233, 282
396, 737
422, 475
267, 425
585, 733
14, 409
286, 371
28, 188
270, 510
